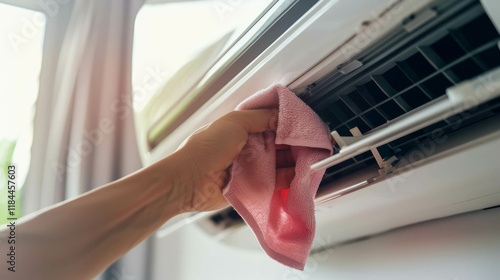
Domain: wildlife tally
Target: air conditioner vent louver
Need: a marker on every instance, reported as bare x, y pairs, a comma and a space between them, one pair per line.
412, 76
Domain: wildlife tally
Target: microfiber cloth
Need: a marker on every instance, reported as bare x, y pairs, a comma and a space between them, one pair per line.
282, 220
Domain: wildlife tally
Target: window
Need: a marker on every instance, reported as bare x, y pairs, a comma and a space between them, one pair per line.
22, 32
169, 35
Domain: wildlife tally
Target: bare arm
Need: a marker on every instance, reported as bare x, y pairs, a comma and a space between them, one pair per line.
78, 239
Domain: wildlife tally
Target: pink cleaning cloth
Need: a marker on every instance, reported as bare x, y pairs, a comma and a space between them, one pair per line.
282, 220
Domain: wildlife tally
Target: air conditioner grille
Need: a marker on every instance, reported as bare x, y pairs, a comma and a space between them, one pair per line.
406, 80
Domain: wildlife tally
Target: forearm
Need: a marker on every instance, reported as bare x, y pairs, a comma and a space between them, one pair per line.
77, 239
81, 237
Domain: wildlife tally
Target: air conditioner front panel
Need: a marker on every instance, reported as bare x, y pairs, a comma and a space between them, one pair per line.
406, 67
324, 28
461, 179
454, 179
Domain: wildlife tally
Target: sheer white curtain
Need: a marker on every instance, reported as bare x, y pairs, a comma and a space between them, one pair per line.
84, 133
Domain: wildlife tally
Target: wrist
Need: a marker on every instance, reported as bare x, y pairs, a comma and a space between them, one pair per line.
171, 179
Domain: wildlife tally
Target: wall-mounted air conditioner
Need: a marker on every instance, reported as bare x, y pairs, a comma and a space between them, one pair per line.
410, 90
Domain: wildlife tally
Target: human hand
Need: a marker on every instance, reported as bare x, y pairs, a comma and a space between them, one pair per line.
205, 156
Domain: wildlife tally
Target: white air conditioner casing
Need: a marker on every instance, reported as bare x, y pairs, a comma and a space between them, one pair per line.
458, 175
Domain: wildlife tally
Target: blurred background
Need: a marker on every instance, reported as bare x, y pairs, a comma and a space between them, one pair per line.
92, 90
68, 65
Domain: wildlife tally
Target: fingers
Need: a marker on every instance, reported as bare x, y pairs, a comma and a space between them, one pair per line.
284, 158
284, 177
285, 167
254, 121
282, 147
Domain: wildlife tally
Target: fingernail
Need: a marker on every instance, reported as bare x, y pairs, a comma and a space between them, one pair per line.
240, 146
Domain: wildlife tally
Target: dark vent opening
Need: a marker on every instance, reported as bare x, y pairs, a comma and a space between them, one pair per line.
357, 99
227, 218
437, 85
363, 156
372, 93
397, 79
342, 169
391, 109
359, 123
408, 77
343, 130
234, 215
340, 166
495, 105
341, 110
433, 128
418, 67
398, 143
490, 57
447, 49
374, 118
466, 69
327, 116
415, 97
385, 151
478, 32
217, 218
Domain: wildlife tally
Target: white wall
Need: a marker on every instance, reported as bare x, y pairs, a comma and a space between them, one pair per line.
461, 247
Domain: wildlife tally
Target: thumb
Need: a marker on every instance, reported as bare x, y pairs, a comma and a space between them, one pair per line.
254, 121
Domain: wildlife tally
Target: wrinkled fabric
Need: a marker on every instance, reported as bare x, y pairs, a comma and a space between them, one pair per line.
283, 221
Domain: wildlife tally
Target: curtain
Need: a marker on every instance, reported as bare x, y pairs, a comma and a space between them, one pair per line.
84, 133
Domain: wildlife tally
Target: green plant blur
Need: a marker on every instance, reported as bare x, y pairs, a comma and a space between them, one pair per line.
6, 152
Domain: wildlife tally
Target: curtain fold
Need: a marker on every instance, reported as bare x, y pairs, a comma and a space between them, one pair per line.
87, 137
